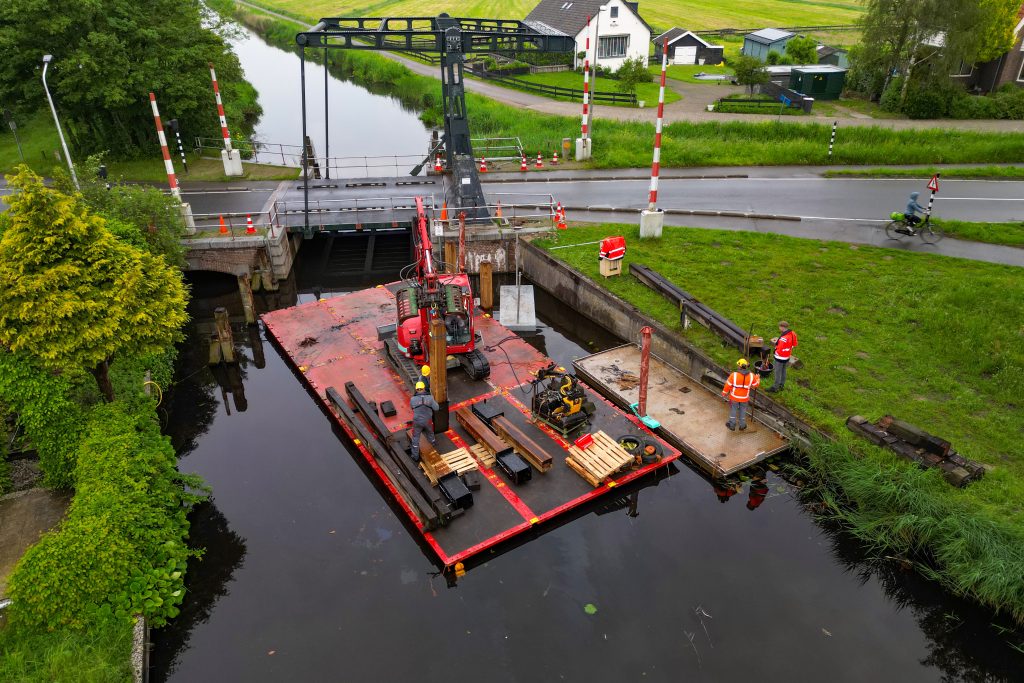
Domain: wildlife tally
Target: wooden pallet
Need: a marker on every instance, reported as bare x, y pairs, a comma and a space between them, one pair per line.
458, 461
483, 455
598, 462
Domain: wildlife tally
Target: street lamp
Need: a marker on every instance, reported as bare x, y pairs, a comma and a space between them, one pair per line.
67, 155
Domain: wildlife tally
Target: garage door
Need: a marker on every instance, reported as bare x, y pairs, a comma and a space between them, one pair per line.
686, 55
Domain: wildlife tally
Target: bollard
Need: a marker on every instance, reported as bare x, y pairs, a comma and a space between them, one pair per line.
486, 286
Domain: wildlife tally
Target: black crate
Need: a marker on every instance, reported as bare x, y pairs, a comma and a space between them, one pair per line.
455, 491
514, 467
487, 412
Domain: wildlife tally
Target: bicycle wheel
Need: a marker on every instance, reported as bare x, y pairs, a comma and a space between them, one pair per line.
930, 233
890, 229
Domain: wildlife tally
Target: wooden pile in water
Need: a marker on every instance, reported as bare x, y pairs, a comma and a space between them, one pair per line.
915, 444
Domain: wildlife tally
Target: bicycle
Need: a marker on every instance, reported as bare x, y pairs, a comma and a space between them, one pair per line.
929, 232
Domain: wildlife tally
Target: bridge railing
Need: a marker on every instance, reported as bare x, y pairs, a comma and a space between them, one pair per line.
324, 213
509, 210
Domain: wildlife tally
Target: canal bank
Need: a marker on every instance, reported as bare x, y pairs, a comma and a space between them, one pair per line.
307, 566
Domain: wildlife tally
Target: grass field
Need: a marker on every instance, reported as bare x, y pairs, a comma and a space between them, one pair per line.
967, 172
660, 14
38, 142
933, 340
686, 72
648, 92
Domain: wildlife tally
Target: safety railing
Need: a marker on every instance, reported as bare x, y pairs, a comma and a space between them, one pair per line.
509, 210
323, 213
498, 149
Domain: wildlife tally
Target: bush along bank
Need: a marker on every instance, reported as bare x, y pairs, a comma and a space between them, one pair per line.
627, 144
877, 336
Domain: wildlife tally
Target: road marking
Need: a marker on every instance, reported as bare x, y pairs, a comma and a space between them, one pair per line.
982, 199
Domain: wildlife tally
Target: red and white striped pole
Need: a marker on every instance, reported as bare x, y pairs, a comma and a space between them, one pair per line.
586, 86
171, 178
220, 110
656, 163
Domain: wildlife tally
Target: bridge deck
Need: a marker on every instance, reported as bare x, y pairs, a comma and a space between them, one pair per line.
354, 204
335, 341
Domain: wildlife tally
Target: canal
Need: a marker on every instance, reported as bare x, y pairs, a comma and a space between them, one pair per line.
308, 575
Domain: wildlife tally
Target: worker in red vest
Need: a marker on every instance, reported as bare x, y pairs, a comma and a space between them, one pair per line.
784, 345
737, 391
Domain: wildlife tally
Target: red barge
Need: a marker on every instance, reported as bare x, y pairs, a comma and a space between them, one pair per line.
339, 350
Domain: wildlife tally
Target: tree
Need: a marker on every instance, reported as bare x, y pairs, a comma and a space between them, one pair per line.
74, 296
632, 73
108, 56
802, 50
749, 71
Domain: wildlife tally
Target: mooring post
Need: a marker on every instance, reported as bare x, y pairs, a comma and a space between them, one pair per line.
451, 257
245, 289
256, 342
439, 372
645, 367
224, 338
462, 241
486, 286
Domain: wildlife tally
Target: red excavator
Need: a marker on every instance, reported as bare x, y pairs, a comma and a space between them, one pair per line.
429, 294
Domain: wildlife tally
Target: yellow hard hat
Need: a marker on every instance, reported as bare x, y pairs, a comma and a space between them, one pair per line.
420, 386
426, 371
742, 363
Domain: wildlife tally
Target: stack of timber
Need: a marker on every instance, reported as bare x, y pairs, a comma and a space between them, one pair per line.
690, 309
917, 445
504, 455
598, 461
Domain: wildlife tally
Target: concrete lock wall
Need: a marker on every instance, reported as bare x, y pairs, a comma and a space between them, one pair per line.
579, 293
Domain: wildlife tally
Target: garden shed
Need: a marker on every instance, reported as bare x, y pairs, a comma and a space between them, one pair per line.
760, 43
820, 81
686, 47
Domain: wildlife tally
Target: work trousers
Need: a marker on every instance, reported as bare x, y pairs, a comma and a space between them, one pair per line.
779, 374
738, 407
418, 429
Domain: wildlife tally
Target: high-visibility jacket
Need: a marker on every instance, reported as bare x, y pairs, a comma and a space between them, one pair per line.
613, 248
784, 346
739, 384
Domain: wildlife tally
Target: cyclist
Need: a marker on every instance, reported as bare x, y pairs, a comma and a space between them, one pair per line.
910, 215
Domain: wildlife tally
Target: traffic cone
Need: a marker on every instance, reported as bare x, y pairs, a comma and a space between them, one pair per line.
223, 226
554, 158
497, 213
437, 164
522, 164
483, 165
561, 217
540, 161
444, 211
249, 229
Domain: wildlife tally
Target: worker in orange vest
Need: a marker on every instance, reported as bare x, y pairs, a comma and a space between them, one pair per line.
784, 345
737, 391
758, 489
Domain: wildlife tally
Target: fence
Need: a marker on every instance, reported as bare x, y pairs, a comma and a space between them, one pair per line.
550, 68
558, 91
498, 149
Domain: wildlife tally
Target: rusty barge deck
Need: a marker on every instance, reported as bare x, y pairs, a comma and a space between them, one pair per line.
334, 344
692, 416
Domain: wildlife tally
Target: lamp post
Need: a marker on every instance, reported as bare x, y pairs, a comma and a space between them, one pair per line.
67, 155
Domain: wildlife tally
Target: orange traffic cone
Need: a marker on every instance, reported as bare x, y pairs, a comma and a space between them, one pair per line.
522, 163
437, 164
554, 158
540, 161
483, 165
561, 217
497, 213
249, 229
444, 211
223, 226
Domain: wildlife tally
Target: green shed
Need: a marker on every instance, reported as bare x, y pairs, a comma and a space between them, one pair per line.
820, 81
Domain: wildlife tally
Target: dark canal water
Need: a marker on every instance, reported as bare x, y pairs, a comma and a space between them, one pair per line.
309, 576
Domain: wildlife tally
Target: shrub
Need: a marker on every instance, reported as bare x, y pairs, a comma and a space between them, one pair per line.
927, 102
1009, 102
973, 107
890, 100
802, 50
773, 57
121, 549
632, 73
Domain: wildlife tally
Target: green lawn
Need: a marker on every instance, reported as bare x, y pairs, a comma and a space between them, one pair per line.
661, 14
686, 73
936, 341
648, 92
152, 170
38, 142
983, 172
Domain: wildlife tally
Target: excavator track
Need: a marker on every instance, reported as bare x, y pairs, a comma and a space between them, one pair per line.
475, 364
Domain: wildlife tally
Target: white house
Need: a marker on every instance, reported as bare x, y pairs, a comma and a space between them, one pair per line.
615, 26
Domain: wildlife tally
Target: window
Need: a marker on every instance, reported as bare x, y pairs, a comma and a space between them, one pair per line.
965, 69
1020, 76
614, 11
612, 46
